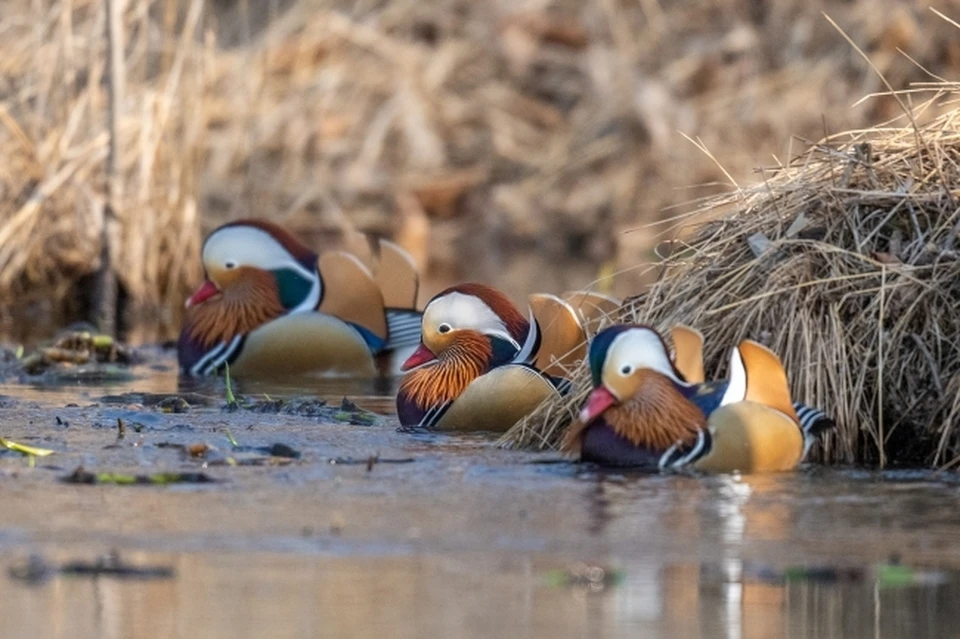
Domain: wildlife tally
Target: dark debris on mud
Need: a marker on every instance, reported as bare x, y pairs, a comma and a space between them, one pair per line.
75, 354
37, 570
84, 476
588, 577
276, 454
346, 413
165, 402
370, 461
77, 348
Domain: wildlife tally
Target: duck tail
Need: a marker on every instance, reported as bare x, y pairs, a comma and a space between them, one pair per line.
399, 283
403, 328
814, 423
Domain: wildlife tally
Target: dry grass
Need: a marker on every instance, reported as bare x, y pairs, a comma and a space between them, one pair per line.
459, 127
847, 263
54, 141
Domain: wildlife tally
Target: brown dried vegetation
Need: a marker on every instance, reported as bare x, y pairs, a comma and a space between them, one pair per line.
457, 127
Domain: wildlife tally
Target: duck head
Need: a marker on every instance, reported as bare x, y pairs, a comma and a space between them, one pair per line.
467, 330
466, 319
638, 400
254, 271
237, 254
622, 359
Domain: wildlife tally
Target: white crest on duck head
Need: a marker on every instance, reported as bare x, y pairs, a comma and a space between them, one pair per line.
641, 347
461, 311
237, 245
248, 246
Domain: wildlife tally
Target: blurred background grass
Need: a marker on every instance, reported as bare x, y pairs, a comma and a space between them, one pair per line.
527, 144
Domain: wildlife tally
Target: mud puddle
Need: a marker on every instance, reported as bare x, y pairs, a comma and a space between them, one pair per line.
325, 522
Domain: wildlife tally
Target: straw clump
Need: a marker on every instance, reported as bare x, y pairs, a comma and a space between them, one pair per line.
847, 263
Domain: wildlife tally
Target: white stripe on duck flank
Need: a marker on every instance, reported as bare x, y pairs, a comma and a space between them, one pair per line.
230, 351
214, 359
200, 368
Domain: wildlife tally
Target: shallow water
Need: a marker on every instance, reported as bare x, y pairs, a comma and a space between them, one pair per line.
465, 540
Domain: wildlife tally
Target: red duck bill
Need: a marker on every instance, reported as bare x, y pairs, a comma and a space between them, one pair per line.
599, 400
207, 290
420, 356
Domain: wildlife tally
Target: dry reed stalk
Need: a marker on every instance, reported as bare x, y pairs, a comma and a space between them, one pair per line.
857, 289
105, 288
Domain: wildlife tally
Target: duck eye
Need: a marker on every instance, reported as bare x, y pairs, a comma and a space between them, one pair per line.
626, 370
444, 328
230, 264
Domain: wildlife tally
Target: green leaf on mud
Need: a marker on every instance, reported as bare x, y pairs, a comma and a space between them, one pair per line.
231, 398
894, 576
24, 449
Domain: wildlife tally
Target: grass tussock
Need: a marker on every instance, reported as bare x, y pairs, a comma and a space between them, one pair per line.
846, 262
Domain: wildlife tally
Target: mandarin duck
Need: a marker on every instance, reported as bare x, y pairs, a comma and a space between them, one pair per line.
482, 365
642, 411
269, 306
